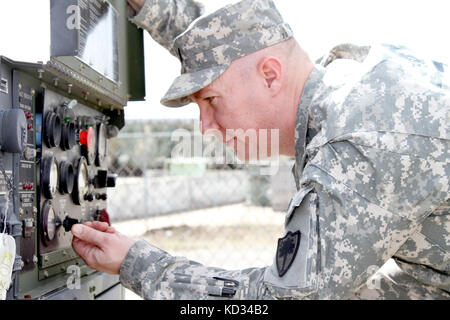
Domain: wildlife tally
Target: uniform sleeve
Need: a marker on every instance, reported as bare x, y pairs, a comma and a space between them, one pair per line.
361, 199
156, 275
370, 192
166, 19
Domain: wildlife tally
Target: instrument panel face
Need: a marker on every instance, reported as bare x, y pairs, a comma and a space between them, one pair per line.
73, 157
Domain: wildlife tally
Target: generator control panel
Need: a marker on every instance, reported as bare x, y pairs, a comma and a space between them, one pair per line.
56, 119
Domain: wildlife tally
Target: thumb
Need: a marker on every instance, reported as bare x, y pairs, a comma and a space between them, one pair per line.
88, 234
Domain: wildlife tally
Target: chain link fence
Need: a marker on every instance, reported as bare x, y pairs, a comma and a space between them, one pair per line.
220, 213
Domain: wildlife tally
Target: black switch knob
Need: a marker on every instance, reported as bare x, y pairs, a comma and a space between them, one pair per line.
101, 196
69, 222
89, 197
111, 182
101, 179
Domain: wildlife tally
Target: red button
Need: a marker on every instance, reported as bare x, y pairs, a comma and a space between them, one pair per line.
87, 137
30, 126
104, 217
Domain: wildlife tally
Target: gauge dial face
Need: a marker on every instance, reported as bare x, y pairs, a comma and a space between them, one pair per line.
102, 146
50, 174
81, 186
53, 177
51, 224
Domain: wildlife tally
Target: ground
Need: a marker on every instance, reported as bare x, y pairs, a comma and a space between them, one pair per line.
231, 237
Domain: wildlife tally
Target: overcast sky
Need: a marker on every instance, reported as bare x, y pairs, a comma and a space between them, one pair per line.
318, 25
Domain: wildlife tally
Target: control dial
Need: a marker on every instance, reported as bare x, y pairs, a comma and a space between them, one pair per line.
81, 182
102, 146
49, 176
13, 130
49, 222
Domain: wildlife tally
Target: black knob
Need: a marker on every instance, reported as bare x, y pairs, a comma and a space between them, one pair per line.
69, 222
101, 179
89, 197
101, 196
111, 182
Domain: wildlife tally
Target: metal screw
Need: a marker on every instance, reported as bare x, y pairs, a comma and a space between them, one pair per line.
35, 259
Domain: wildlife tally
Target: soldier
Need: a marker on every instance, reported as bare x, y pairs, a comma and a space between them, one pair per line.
371, 140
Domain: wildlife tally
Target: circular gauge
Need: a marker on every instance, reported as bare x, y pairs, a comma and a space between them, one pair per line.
88, 143
49, 176
81, 182
102, 146
49, 222
52, 130
66, 177
68, 136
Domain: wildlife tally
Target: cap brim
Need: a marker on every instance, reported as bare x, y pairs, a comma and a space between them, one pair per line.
190, 83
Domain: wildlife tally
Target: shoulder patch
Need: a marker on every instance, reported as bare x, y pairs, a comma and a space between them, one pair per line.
287, 250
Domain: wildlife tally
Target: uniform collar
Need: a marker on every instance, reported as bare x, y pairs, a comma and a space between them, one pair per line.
303, 119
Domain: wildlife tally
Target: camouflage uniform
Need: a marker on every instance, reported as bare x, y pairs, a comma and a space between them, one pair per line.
372, 172
166, 19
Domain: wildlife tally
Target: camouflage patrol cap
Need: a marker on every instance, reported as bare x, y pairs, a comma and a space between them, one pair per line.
207, 48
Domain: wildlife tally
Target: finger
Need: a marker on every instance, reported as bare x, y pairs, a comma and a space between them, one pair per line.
83, 249
100, 226
89, 235
88, 223
111, 230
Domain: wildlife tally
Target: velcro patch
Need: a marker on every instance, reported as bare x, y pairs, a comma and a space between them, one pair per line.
287, 250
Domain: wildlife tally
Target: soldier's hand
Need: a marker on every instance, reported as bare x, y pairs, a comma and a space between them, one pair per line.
101, 246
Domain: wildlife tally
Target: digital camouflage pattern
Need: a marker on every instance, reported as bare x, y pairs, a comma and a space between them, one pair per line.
212, 42
166, 19
345, 51
372, 172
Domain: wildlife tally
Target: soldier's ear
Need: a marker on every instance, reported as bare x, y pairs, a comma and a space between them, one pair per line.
271, 71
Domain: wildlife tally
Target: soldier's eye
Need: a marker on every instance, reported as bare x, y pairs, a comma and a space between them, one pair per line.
212, 100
